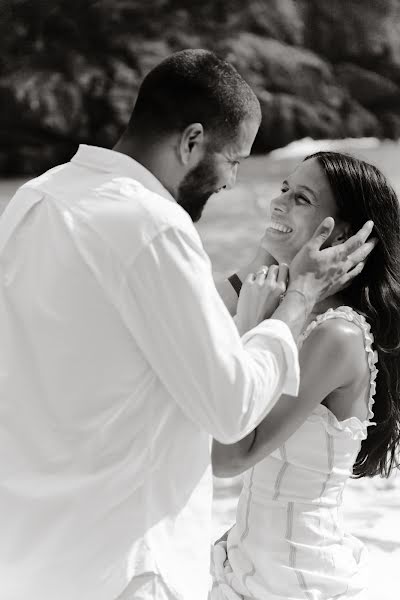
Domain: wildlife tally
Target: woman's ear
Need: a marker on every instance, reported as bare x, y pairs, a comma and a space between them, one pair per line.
340, 234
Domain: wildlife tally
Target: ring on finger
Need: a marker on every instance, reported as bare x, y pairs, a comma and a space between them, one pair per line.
263, 271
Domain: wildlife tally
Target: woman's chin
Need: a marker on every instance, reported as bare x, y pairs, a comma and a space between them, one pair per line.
278, 256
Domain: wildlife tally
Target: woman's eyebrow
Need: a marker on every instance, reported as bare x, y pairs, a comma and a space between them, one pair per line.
305, 187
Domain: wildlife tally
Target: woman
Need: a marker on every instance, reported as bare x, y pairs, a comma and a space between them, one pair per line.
288, 541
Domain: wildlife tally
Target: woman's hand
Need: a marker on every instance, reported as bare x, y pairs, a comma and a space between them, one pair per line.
224, 287
262, 258
260, 296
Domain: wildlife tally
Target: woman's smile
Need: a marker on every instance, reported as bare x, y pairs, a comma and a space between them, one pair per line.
278, 228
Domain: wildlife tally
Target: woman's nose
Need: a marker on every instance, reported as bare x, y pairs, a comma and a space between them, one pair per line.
281, 204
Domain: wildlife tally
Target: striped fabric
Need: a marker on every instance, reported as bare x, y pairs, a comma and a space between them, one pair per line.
288, 542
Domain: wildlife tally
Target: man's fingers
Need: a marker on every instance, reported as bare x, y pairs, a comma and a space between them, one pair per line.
350, 275
322, 233
357, 240
362, 253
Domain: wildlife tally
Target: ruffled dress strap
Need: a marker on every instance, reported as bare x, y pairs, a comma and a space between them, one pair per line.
348, 313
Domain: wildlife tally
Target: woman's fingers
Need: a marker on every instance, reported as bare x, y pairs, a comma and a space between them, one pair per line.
272, 273
251, 277
283, 274
261, 274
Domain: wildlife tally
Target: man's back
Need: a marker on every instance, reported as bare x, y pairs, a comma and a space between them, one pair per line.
92, 468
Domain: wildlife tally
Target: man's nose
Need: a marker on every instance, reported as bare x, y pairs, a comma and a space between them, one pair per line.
232, 179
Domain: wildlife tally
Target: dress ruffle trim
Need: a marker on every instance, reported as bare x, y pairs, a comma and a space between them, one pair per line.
352, 426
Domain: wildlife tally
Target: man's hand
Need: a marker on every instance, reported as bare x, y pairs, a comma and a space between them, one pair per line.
260, 296
320, 273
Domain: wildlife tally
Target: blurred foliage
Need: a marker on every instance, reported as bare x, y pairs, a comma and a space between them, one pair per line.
70, 69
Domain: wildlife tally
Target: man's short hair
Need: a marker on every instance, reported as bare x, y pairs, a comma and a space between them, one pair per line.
194, 86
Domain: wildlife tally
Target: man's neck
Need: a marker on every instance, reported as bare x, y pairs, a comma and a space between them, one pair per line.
153, 157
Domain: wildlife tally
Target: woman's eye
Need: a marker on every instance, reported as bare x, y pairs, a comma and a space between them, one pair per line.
283, 190
304, 199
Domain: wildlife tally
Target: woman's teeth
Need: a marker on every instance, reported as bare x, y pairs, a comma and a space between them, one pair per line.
279, 227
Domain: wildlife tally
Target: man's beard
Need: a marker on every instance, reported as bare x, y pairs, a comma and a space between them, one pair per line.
197, 186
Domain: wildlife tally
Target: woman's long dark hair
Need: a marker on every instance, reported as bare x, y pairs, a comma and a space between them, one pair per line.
362, 193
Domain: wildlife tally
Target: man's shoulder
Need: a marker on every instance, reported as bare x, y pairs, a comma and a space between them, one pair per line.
129, 216
143, 209
154, 207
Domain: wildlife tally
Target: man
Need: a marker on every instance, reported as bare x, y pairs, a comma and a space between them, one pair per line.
118, 358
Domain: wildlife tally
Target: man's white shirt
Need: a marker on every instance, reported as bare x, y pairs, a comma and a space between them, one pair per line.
118, 360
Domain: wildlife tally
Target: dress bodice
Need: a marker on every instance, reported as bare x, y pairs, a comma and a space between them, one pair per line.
289, 538
315, 462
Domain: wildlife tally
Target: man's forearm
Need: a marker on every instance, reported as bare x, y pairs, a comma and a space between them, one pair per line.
294, 310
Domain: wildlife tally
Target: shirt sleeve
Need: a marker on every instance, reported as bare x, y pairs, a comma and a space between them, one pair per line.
224, 383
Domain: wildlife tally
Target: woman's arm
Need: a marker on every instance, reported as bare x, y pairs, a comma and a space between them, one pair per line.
331, 357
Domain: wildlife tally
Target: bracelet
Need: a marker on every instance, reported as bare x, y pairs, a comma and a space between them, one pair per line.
235, 283
295, 292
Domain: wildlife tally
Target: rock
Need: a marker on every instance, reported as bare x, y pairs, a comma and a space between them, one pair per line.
41, 119
143, 54
390, 122
359, 122
277, 67
287, 117
71, 71
31, 155
122, 92
278, 19
368, 88
366, 33
43, 98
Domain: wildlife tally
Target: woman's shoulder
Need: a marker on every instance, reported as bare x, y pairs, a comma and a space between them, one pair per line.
341, 323
340, 333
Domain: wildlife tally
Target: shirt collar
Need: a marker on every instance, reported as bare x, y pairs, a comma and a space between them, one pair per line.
105, 159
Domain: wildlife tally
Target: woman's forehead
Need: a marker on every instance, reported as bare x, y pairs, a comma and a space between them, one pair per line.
310, 174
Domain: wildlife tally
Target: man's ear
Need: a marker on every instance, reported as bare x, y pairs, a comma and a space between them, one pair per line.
340, 234
191, 143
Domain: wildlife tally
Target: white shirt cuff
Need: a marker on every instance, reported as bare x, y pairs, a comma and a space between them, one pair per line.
272, 329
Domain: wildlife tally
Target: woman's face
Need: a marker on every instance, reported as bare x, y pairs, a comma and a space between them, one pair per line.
305, 200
